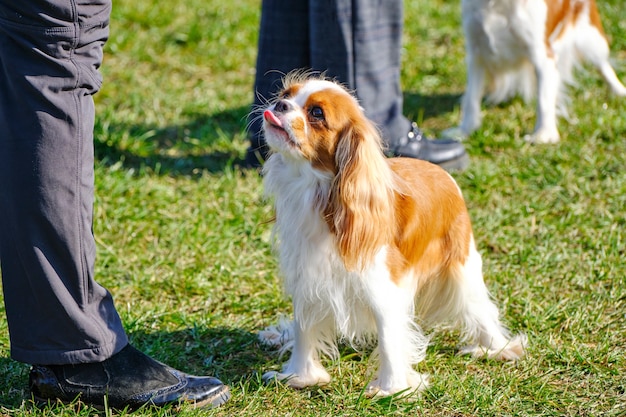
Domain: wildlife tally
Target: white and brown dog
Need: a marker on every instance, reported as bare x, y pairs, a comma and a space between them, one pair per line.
370, 248
530, 48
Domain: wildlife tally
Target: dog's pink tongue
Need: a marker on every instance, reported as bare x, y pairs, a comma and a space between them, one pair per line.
271, 118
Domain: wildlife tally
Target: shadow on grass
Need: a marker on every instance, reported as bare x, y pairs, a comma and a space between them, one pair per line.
433, 105
13, 384
176, 150
229, 353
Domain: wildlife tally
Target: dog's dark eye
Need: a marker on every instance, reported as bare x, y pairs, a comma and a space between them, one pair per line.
316, 113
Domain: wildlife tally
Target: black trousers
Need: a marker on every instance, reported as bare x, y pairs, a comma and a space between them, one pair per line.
357, 42
50, 52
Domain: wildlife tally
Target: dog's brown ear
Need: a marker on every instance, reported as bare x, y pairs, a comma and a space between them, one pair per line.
360, 209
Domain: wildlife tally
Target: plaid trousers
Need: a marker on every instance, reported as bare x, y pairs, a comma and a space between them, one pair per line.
357, 42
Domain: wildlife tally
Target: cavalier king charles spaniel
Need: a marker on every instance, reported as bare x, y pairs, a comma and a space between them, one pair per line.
371, 249
529, 48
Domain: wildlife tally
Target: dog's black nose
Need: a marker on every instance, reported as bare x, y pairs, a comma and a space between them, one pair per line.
282, 106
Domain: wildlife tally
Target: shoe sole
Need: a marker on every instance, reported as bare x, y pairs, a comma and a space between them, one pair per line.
217, 399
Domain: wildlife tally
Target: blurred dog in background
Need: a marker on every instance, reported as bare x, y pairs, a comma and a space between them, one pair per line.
530, 48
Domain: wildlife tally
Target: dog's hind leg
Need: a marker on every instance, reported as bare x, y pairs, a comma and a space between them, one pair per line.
476, 312
480, 316
593, 46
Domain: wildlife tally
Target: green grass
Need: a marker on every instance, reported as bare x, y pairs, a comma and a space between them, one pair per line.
183, 236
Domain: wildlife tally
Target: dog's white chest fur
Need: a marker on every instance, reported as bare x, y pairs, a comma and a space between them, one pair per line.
307, 249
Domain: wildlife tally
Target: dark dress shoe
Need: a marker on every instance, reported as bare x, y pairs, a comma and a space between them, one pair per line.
447, 153
128, 379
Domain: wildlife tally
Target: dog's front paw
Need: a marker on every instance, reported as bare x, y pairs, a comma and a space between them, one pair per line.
512, 351
415, 382
320, 377
279, 336
544, 136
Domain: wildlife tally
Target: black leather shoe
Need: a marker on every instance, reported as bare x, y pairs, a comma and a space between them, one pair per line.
447, 153
129, 379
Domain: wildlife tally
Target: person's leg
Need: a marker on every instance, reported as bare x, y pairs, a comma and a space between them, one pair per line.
56, 312
358, 42
283, 47
60, 319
